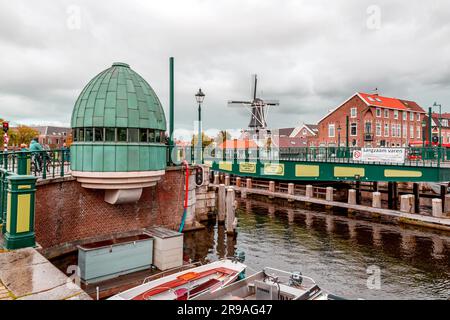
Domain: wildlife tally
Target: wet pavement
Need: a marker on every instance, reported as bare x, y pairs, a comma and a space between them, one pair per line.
26, 275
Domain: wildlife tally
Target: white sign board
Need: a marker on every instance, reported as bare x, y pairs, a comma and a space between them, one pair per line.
390, 155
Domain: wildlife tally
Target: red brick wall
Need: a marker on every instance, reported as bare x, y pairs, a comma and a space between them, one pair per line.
66, 212
338, 118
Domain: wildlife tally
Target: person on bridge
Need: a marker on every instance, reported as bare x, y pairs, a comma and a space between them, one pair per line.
37, 154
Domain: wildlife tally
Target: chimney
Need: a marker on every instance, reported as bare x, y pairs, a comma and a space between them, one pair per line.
375, 92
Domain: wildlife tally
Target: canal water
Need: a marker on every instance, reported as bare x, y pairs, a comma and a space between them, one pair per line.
348, 257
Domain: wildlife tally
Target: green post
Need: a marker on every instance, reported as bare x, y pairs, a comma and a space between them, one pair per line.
429, 127
23, 164
63, 159
4, 188
20, 212
172, 109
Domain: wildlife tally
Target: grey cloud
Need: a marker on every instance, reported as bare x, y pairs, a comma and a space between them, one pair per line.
311, 55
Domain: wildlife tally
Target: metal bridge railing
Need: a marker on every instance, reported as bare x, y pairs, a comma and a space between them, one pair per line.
414, 156
41, 164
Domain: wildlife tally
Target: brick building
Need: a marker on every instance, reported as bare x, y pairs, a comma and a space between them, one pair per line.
374, 121
307, 133
54, 137
445, 126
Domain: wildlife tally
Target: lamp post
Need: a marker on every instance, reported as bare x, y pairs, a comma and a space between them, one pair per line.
339, 140
199, 96
440, 122
424, 125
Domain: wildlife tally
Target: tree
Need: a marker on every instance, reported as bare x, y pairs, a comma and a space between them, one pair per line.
22, 134
222, 136
206, 140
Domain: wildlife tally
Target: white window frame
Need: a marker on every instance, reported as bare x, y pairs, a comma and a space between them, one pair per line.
411, 131
396, 114
404, 131
418, 132
356, 129
386, 113
378, 129
411, 116
399, 130
386, 126
331, 126
394, 130
404, 115
353, 112
418, 116
378, 112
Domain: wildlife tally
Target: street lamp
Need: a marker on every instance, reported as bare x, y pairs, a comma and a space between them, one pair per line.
440, 122
424, 124
199, 96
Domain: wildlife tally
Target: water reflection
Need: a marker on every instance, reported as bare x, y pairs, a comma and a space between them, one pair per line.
334, 249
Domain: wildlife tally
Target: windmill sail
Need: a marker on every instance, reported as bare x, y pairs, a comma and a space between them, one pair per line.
258, 107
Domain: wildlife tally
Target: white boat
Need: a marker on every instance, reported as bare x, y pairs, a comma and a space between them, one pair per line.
187, 284
271, 284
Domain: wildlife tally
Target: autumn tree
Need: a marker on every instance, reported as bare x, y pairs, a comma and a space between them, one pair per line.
22, 134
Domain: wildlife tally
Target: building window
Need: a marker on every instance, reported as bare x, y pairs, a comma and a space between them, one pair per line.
331, 130
405, 131
353, 129
411, 116
110, 134
386, 129
404, 115
151, 135
88, 135
304, 132
378, 112
386, 113
353, 112
157, 136
418, 116
411, 131
418, 132
133, 135
395, 114
122, 134
98, 134
143, 136
444, 122
394, 130
368, 127
399, 130
378, 129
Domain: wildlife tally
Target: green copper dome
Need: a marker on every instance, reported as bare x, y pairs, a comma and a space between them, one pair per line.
118, 97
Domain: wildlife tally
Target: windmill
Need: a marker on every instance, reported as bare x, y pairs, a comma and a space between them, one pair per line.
258, 108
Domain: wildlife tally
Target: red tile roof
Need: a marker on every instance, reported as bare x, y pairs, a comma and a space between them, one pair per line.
238, 144
379, 101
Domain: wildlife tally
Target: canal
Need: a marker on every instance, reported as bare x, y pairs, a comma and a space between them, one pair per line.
344, 255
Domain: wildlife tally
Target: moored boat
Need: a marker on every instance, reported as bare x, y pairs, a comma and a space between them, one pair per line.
187, 284
271, 284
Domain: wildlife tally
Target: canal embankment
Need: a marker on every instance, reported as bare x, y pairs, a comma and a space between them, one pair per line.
326, 197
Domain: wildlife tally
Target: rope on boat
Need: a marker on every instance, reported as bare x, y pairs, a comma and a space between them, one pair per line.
186, 196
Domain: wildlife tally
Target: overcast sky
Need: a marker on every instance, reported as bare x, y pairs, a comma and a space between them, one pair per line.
311, 55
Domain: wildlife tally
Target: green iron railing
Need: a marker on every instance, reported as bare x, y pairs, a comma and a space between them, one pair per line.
42, 164
414, 156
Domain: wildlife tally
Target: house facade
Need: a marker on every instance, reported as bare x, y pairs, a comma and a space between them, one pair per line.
307, 133
444, 118
53, 137
373, 121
